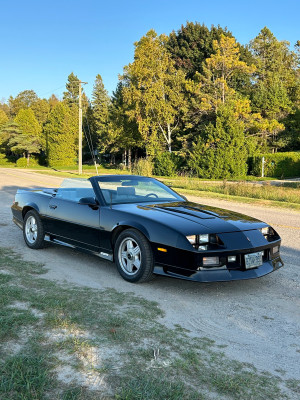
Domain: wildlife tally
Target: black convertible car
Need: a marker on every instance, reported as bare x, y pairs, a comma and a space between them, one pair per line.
147, 228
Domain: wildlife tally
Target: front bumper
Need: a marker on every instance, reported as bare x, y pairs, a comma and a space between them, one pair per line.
222, 274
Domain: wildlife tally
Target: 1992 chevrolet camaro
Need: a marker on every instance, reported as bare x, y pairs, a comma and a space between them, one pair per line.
146, 228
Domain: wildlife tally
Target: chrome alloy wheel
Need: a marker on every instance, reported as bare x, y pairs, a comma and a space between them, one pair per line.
129, 256
31, 230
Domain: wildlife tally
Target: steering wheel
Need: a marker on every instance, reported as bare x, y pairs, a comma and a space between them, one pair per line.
151, 194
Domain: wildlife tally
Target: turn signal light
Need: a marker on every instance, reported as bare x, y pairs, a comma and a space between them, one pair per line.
211, 261
231, 258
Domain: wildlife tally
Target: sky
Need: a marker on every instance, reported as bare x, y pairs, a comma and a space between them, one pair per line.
43, 41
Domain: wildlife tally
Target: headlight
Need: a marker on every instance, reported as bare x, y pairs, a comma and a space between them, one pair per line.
192, 239
198, 239
204, 238
265, 231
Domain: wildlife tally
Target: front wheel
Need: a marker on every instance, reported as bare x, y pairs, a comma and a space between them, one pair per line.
33, 230
133, 256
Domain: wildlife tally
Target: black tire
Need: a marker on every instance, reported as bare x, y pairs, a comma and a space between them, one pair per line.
142, 262
34, 237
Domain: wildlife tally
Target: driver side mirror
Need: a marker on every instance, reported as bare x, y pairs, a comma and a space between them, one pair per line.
89, 201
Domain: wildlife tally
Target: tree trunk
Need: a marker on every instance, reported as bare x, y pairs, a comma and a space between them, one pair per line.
169, 138
129, 158
28, 158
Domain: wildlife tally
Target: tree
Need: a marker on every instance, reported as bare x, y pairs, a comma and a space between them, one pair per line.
276, 74
221, 67
23, 100
7, 132
221, 151
154, 91
53, 100
100, 108
3, 118
41, 109
72, 93
122, 134
30, 140
61, 131
192, 44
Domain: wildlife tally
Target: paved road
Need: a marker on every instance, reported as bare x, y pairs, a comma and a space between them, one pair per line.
258, 320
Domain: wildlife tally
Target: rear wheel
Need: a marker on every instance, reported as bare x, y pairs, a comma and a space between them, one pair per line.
33, 230
133, 256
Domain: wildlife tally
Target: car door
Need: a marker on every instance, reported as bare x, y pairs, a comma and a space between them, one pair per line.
74, 223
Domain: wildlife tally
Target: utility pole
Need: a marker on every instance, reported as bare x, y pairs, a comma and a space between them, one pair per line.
80, 131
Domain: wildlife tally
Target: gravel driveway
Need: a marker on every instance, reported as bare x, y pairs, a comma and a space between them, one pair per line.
257, 321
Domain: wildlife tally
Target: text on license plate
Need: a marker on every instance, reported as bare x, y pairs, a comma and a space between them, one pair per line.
253, 260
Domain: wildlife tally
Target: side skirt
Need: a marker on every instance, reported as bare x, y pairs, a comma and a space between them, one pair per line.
101, 254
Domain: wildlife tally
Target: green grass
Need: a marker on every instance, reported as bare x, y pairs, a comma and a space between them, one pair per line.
109, 335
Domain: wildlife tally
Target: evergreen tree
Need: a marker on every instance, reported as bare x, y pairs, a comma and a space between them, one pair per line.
3, 118
53, 100
123, 134
221, 152
70, 96
41, 109
61, 131
192, 44
7, 132
100, 109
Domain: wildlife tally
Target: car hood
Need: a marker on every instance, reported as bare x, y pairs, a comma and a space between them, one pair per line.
206, 218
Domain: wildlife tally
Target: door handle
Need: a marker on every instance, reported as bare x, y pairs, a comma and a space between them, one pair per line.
53, 207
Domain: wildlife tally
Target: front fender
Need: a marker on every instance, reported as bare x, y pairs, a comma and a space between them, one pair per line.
29, 206
135, 225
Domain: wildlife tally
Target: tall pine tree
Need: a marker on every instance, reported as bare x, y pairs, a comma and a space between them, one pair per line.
100, 108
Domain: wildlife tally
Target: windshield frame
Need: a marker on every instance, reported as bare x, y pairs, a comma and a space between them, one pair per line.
96, 182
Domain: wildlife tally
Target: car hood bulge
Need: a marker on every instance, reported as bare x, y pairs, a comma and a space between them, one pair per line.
211, 219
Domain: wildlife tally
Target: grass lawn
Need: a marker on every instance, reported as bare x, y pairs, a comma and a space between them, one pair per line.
66, 342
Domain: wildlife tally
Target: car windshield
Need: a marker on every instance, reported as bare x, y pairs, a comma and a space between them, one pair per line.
135, 189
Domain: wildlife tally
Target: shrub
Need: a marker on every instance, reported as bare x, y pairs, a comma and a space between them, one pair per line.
4, 160
277, 165
143, 167
22, 162
165, 164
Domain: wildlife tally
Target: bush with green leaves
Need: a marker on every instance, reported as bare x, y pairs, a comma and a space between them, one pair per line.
143, 167
22, 162
4, 160
277, 165
165, 164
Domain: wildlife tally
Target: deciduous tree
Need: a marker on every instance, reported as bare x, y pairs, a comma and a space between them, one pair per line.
23, 100
154, 90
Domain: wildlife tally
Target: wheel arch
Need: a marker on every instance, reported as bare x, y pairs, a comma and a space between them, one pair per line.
128, 225
28, 207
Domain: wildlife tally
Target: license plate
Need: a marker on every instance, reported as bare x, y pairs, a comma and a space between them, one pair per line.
253, 260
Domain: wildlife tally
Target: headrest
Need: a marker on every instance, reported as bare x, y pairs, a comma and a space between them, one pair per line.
125, 191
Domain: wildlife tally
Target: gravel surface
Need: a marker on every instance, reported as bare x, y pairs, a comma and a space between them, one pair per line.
257, 320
